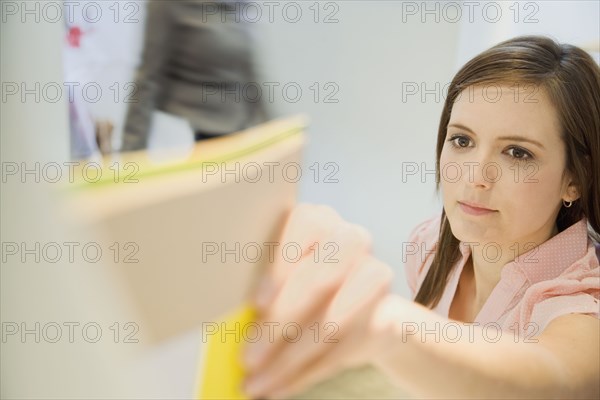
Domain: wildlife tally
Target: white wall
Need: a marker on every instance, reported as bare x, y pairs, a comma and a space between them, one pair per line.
369, 54
576, 22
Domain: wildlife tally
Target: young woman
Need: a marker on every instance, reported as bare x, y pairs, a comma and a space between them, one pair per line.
506, 280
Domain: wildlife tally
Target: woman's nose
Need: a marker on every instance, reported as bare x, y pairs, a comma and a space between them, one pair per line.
481, 173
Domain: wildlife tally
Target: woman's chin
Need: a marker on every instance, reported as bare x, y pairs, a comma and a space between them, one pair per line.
471, 231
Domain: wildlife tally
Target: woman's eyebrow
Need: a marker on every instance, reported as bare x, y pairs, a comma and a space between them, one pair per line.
522, 139
459, 126
515, 138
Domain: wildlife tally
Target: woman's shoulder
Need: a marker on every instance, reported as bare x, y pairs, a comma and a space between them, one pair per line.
575, 290
418, 251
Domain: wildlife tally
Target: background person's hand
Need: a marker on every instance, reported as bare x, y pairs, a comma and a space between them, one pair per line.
319, 308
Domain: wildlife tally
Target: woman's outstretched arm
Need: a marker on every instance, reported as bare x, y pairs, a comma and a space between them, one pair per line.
331, 309
464, 361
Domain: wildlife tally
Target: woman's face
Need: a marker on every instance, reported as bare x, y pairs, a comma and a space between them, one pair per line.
503, 152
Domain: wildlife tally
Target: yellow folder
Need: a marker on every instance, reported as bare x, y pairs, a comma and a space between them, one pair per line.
221, 371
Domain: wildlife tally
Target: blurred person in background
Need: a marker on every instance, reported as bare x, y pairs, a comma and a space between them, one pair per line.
196, 64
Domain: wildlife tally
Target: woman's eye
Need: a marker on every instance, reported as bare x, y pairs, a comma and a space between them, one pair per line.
519, 153
459, 141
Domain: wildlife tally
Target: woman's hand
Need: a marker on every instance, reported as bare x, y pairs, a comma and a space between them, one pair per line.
319, 308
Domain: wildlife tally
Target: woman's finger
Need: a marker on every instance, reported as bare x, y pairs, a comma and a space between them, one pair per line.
318, 275
307, 224
280, 382
369, 280
310, 287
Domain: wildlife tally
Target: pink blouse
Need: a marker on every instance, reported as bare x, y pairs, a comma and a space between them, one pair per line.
560, 276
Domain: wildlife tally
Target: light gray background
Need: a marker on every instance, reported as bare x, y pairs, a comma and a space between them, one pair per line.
369, 53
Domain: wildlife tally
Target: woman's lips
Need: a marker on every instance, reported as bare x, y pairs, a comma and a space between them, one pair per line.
472, 210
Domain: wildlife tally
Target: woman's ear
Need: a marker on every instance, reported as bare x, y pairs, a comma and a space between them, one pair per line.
572, 191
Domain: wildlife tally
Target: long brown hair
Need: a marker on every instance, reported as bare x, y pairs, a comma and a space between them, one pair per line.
571, 79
